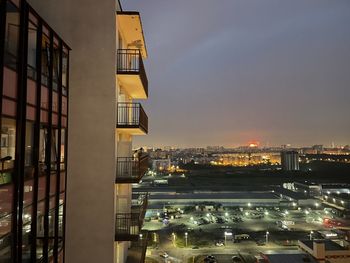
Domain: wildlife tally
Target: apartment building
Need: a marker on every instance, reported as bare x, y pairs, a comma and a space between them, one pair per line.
66, 194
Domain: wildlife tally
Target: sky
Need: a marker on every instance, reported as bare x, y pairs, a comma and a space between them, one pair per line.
227, 72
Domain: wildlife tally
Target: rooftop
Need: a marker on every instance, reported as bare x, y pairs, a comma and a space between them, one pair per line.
329, 244
292, 256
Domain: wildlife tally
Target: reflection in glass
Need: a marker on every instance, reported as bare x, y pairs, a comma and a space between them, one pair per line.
32, 50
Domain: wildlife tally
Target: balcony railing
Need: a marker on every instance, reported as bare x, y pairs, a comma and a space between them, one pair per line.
131, 169
128, 225
132, 116
129, 62
137, 251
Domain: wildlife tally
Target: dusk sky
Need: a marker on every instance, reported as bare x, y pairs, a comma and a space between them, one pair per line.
227, 72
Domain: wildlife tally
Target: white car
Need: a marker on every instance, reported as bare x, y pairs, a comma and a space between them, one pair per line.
164, 255
219, 244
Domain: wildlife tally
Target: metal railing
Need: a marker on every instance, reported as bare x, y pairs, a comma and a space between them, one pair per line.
129, 61
128, 225
137, 250
132, 115
131, 169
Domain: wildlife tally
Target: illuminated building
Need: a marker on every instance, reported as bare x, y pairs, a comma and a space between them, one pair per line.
34, 95
97, 220
290, 160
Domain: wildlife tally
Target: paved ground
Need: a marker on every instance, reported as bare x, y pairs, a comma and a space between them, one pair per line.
201, 239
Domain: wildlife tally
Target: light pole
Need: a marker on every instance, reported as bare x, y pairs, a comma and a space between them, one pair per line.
311, 232
186, 236
174, 238
267, 236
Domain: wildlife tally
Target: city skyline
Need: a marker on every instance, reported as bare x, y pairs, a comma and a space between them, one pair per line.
275, 72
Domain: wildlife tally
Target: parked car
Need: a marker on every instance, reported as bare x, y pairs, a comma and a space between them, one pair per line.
219, 243
210, 259
164, 255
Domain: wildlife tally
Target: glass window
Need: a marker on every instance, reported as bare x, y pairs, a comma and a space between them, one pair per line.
5, 237
26, 233
40, 229
32, 50
54, 149
56, 66
45, 60
64, 71
29, 144
42, 151
8, 144
11, 36
63, 148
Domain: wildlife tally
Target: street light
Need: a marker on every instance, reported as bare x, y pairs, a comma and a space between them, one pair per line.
267, 236
249, 204
226, 214
311, 232
174, 238
186, 235
266, 213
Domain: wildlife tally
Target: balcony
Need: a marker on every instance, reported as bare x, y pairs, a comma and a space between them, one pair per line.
131, 73
137, 251
130, 170
132, 119
128, 225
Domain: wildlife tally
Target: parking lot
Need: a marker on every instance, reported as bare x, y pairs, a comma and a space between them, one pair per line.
185, 232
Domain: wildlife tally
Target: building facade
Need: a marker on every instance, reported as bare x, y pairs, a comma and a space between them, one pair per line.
101, 220
34, 100
290, 160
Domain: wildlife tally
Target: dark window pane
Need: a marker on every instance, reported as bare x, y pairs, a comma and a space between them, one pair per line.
29, 146
45, 60
11, 36
32, 50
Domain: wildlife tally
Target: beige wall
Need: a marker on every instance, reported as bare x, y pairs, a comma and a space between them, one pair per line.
89, 28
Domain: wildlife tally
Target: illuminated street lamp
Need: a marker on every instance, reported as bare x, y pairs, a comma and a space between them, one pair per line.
249, 204
311, 233
266, 213
174, 238
226, 214
186, 236
267, 236
316, 205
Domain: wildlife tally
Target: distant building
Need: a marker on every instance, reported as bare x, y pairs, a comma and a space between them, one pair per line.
326, 250
161, 164
290, 160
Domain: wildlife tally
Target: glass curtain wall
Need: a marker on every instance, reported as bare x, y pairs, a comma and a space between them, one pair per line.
33, 148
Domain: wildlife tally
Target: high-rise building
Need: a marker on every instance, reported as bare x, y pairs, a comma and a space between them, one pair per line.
290, 160
60, 201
